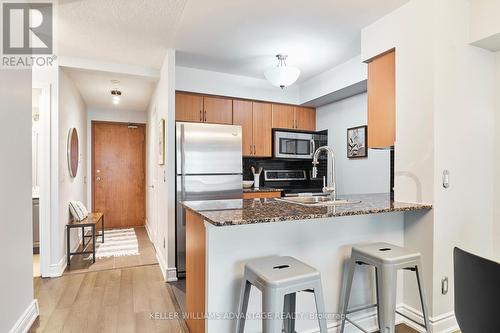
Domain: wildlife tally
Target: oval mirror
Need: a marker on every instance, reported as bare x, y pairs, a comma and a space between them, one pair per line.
73, 152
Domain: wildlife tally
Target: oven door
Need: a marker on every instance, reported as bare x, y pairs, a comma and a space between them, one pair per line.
293, 145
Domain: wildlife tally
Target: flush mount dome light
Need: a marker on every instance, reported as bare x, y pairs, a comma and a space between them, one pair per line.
115, 93
282, 76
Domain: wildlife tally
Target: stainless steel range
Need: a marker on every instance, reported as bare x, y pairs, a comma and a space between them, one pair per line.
293, 182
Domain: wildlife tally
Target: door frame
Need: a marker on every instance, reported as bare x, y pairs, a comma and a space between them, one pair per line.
47, 195
92, 156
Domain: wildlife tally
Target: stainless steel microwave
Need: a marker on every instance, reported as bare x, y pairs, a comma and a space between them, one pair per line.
295, 145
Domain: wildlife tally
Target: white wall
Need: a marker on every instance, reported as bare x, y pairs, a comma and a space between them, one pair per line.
463, 117
16, 282
216, 83
72, 113
444, 101
484, 19
496, 203
353, 176
106, 115
162, 106
337, 78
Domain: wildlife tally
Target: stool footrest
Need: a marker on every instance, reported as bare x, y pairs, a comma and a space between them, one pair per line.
412, 320
356, 325
361, 308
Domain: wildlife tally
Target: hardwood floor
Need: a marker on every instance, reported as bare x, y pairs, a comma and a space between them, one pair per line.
147, 256
118, 300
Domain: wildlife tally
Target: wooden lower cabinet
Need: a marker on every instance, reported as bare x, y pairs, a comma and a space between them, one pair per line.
195, 272
254, 195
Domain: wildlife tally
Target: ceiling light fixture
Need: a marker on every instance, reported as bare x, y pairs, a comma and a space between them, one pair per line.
282, 76
115, 93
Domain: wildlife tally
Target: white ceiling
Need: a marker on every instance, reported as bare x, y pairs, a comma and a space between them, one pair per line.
95, 88
133, 32
242, 37
231, 36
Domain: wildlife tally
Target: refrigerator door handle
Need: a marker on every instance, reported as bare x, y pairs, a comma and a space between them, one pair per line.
183, 152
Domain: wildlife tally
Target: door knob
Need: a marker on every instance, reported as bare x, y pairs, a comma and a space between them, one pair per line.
98, 179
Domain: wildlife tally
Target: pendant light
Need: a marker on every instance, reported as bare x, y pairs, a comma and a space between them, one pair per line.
282, 76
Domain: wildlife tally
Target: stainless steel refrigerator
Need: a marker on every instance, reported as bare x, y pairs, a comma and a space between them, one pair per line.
208, 167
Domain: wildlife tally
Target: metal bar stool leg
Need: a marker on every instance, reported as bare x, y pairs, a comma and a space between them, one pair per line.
289, 310
377, 292
243, 305
421, 290
272, 305
320, 307
387, 306
347, 293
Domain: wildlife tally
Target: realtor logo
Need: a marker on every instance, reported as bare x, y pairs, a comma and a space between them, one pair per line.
27, 28
27, 35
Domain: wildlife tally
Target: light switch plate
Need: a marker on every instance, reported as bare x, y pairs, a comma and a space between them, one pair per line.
446, 179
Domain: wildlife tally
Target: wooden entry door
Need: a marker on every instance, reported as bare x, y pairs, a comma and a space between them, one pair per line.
118, 173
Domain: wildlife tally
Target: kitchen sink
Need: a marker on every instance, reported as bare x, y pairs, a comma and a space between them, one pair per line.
318, 201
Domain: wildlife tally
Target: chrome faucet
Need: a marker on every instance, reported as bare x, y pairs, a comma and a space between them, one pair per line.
330, 188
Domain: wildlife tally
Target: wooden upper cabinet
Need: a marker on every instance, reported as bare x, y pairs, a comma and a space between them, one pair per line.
305, 118
294, 117
283, 116
218, 110
262, 129
242, 115
188, 107
382, 101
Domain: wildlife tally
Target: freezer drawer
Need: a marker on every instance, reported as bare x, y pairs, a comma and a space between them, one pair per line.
208, 149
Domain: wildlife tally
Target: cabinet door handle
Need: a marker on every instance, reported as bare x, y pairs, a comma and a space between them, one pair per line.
205, 115
250, 149
254, 151
201, 117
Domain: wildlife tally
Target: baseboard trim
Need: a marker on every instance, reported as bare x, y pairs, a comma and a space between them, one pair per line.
171, 274
161, 262
56, 270
150, 233
444, 323
23, 324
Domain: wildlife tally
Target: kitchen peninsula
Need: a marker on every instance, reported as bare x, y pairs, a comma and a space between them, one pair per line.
223, 234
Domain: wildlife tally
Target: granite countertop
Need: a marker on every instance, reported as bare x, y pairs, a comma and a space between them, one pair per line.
261, 189
250, 211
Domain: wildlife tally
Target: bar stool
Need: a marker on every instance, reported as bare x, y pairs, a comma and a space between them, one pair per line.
387, 260
279, 279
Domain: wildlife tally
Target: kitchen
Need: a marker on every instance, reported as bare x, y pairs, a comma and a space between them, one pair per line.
272, 156
310, 167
